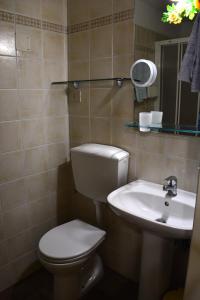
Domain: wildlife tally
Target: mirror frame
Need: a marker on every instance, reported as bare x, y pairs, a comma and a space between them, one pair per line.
153, 73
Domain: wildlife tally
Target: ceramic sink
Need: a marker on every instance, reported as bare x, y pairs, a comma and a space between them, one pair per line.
147, 205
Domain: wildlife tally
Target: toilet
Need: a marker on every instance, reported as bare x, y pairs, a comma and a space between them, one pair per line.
68, 251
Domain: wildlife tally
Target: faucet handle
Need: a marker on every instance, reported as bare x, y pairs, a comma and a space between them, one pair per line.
171, 181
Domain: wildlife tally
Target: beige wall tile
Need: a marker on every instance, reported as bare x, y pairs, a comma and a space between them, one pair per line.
28, 8
37, 186
7, 5
120, 5
153, 143
122, 65
23, 33
52, 11
40, 229
8, 76
43, 210
100, 8
53, 180
26, 176
78, 70
29, 74
53, 71
78, 46
24, 265
9, 110
3, 255
101, 42
132, 166
10, 136
56, 103
31, 103
123, 137
190, 175
6, 277
56, 130
11, 166
82, 208
13, 194
2, 235
151, 167
57, 155
100, 101
35, 160
7, 41
101, 130
53, 45
19, 245
185, 147
79, 129
77, 12
32, 133
123, 241
15, 220
78, 101
123, 43
101, 68
122, 102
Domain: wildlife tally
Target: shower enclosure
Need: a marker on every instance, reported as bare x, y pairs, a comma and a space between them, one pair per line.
179, 105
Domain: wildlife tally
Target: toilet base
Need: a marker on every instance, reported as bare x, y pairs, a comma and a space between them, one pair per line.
91, 274
74, 280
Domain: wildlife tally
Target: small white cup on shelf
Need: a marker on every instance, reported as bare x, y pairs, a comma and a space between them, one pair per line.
156, 117
145, 120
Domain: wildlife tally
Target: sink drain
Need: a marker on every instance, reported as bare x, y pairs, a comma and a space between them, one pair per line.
161, 220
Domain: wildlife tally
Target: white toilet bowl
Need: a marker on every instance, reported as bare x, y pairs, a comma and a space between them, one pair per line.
68, 251
65, 251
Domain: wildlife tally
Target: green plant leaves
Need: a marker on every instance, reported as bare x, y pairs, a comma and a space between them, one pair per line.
179, 10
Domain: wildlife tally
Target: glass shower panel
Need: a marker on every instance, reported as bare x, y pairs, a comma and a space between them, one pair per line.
168, 87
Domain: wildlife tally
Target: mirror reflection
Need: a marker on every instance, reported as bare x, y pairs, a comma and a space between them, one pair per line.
164, 44
141, 73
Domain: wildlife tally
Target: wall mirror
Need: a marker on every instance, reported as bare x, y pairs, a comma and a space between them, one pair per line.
165, 45
143, 73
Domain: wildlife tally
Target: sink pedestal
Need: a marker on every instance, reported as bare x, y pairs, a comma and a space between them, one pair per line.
156, 265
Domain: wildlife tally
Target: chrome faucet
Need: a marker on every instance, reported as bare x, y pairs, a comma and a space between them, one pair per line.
170, 185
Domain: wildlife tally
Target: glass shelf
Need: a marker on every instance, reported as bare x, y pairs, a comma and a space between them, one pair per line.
168, 128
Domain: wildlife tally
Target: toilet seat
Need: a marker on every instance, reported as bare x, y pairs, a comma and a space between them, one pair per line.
70, 242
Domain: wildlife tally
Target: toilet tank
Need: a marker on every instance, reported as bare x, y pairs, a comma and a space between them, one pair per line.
99, 169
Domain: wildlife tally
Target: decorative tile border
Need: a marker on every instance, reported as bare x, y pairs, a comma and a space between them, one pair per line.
98, 22
78, 27
53, 27
102, 21
123, 15
27, 21
7, 17
95, 23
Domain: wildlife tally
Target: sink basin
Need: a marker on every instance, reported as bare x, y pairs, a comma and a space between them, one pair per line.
161, 220
146, 204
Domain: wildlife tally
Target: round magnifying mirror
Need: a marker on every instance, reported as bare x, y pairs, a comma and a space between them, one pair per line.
143, 73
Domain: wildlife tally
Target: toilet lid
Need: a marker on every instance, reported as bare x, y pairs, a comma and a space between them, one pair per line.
70, 240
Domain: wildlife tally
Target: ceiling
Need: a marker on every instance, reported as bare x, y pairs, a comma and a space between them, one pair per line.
158, 3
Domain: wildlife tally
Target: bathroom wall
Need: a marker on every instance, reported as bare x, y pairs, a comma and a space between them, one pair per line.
101, 44
33, 128
36, 184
